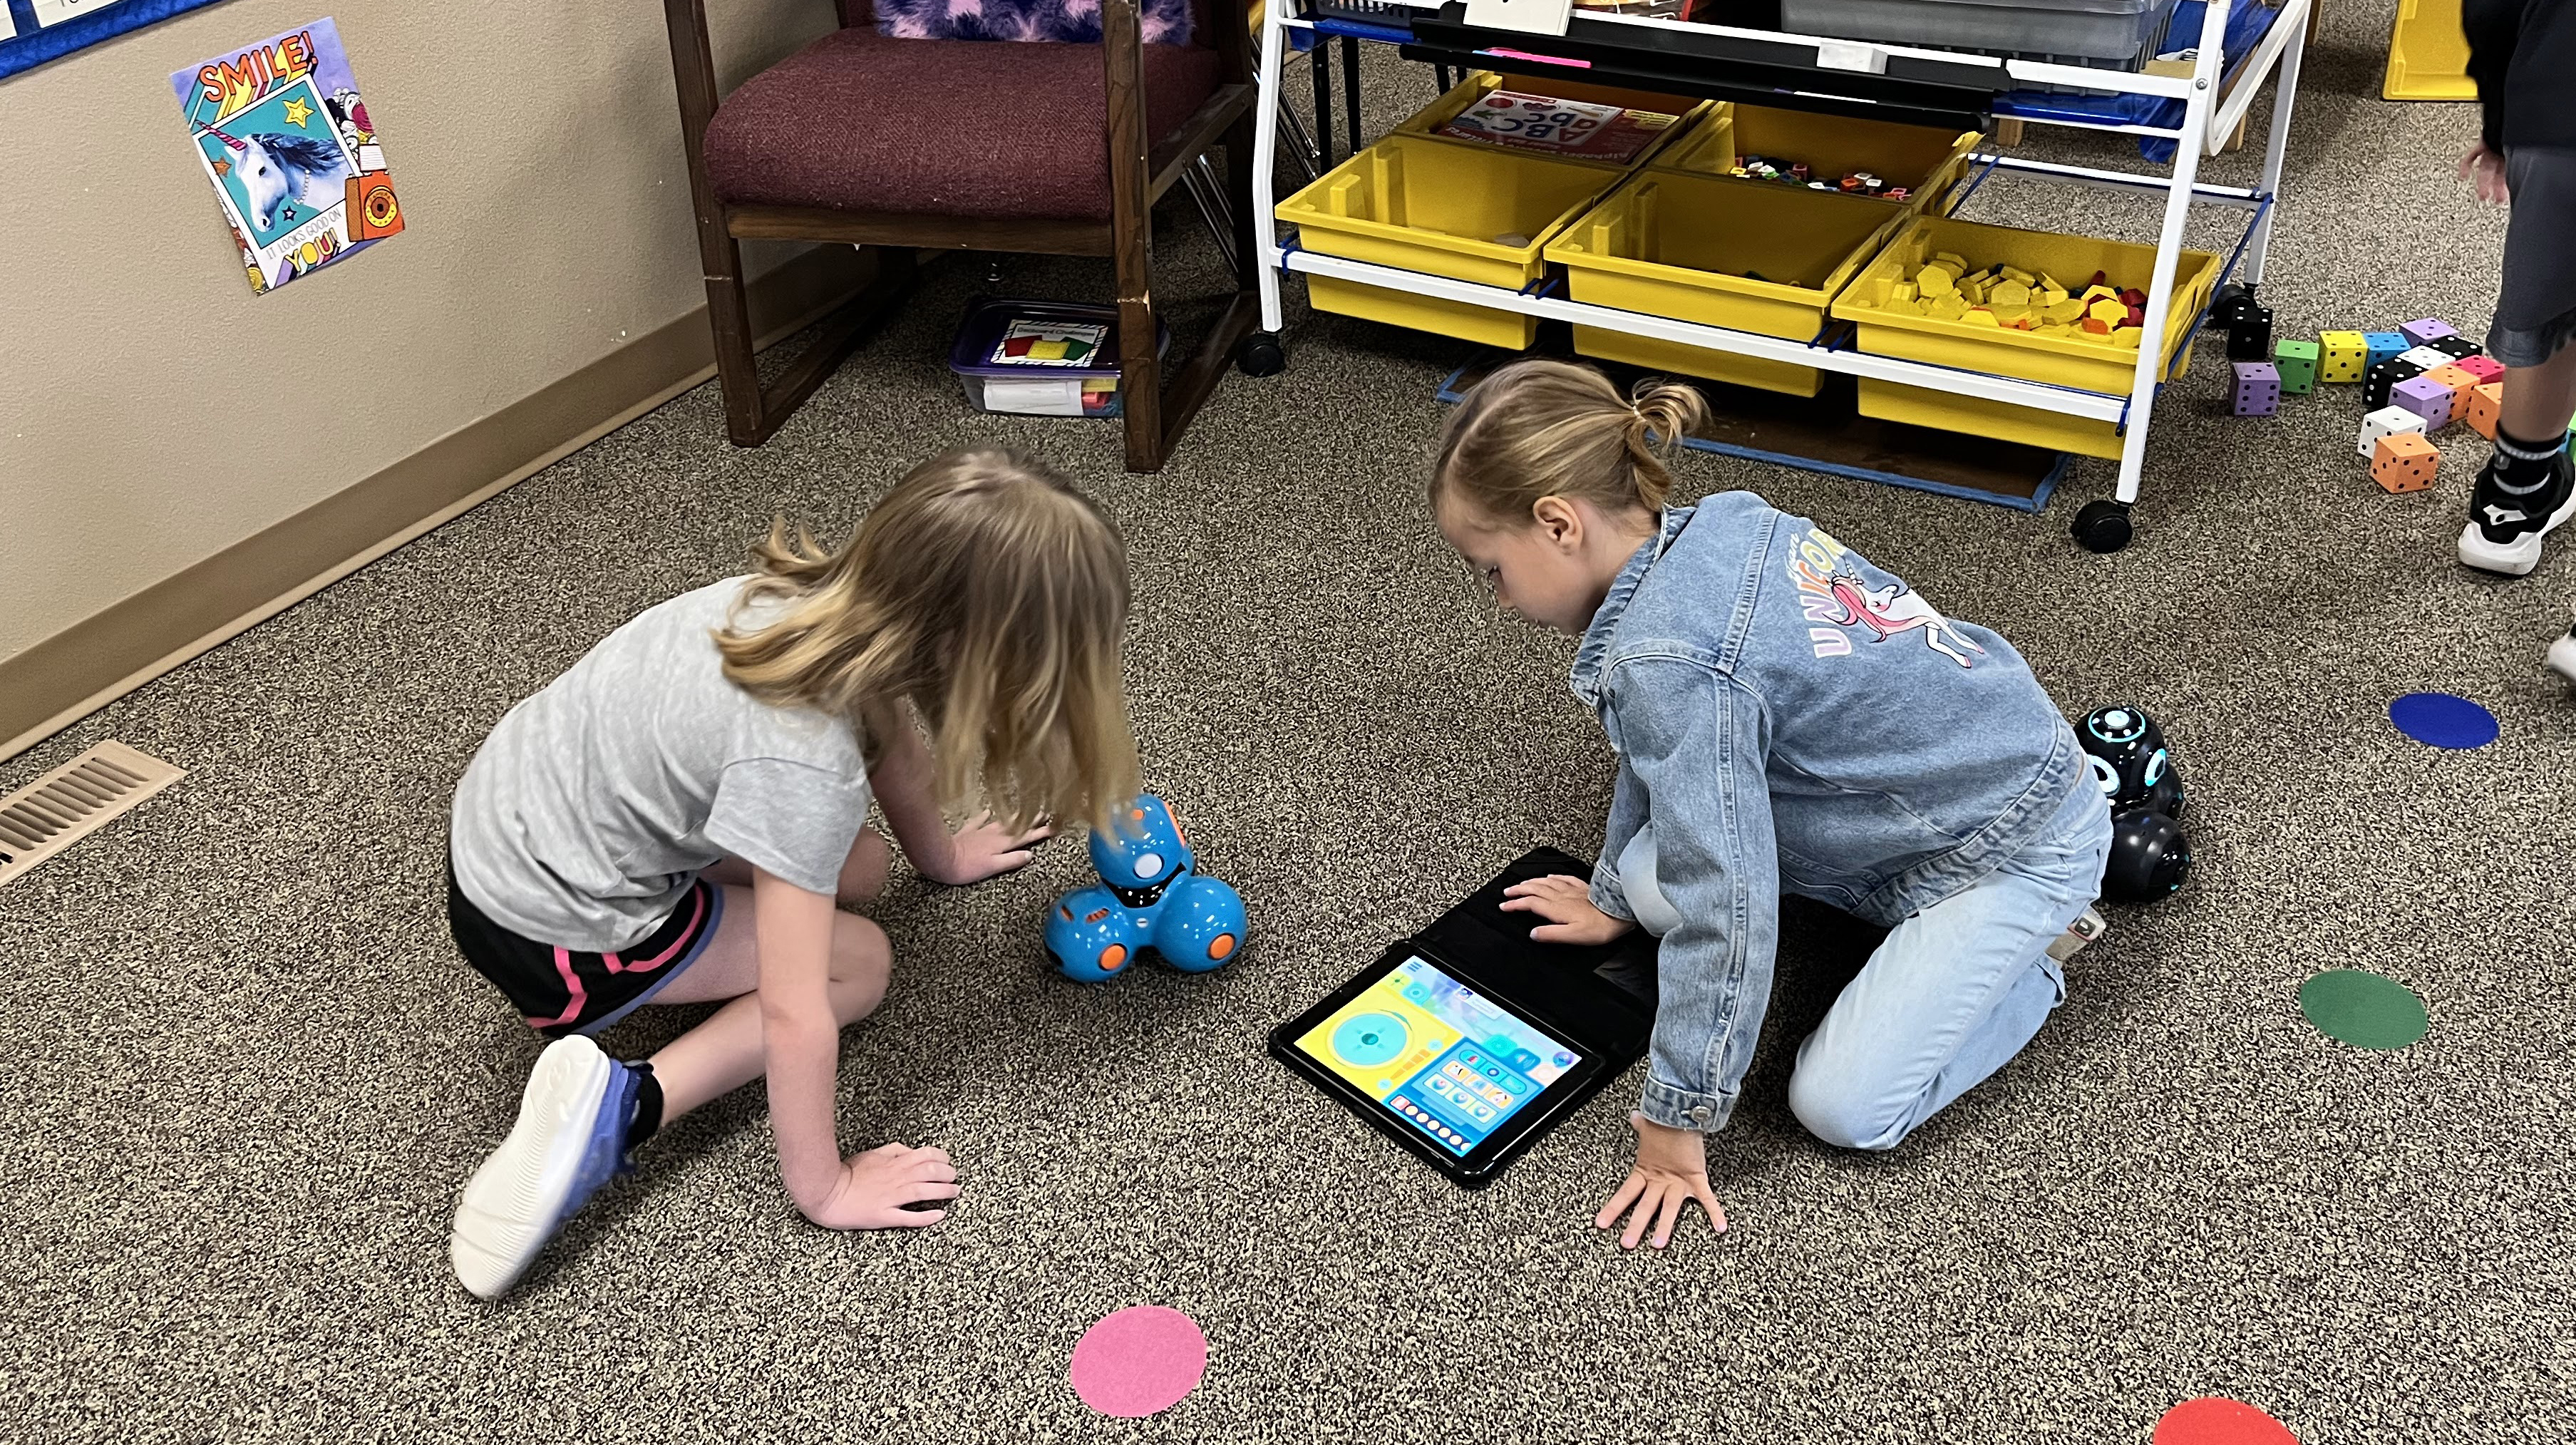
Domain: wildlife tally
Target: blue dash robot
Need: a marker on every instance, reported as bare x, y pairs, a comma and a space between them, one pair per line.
1149, 896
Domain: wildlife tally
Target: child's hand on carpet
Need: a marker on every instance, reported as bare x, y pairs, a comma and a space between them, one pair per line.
875, 1186
981, 849
1671, 1171
1566, 903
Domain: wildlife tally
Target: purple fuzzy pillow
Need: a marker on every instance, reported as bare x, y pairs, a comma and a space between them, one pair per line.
1166, 22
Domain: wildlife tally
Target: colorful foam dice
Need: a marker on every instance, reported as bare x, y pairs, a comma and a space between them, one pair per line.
2341, 354
2486, 407
2420, 333
2297, 363
2427, 358
2404, 462
2379, 346
2258, 388
2388, 421
2427, 398
2484, 368
2249, 336
2461, 384
2384, 377
2455, 347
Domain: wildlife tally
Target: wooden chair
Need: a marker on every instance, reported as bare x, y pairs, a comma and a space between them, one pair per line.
906, 145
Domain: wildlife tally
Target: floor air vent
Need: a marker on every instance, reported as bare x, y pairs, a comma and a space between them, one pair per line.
73, 801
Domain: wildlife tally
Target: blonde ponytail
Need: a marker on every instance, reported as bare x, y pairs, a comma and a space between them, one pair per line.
1539, 429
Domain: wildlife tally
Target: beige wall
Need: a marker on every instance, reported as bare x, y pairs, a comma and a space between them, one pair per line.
154, 412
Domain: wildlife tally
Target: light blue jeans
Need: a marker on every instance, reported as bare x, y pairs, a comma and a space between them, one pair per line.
1952, 992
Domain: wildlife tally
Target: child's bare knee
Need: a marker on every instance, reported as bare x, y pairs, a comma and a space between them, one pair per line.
861, 964
863, 875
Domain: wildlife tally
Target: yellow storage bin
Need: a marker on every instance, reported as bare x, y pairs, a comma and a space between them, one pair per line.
1689, 114
1681, 246
1468, 212
1927, 161
2428, 54
2085, 364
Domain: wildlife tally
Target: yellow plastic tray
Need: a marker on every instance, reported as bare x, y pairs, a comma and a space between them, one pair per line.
2428, 54
1675, 245
1689, 114
1927, 161
1439, 207
2101, 366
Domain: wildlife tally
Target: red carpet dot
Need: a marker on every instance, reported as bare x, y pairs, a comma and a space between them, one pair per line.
1139, 1361
2217, 1420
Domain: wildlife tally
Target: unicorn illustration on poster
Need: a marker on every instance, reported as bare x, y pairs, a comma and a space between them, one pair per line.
296, 164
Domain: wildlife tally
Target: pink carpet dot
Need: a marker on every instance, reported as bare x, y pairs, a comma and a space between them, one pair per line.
2217, 1420
1139, 1361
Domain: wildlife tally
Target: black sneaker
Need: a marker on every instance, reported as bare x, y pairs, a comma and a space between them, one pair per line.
2504, 530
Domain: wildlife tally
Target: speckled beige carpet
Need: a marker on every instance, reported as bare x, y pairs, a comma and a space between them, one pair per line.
245, 1073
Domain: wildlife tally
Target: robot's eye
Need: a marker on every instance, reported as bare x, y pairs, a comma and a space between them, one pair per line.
2108, 777
1148, 864
2155, 768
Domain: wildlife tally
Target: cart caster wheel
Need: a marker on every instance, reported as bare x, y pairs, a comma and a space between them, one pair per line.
2233, 300
2102, 526
1259, 354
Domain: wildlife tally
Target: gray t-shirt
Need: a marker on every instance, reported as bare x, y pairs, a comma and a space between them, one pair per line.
595, 803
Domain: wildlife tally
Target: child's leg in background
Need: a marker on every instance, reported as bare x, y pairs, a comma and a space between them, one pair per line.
2540, 400
2529, 486
1952, 992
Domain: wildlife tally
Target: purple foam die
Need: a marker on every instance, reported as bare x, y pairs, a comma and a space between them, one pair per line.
2258, 388
2426, 398
2419, 332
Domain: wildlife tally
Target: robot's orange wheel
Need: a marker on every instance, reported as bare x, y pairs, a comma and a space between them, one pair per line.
1221, 947
1113, 958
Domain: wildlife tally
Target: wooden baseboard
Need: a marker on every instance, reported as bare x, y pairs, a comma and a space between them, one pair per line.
84, 667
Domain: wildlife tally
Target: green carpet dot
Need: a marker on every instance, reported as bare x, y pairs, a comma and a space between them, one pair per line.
2363, 1009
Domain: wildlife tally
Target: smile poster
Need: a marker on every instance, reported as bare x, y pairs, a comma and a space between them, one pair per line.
296, 164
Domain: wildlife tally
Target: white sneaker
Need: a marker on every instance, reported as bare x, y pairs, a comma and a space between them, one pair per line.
569, 1140
2505, 532
2562, 653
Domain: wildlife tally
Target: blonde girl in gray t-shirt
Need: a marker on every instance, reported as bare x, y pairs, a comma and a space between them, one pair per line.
675, 819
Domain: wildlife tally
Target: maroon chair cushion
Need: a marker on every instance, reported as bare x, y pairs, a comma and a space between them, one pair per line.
861, 122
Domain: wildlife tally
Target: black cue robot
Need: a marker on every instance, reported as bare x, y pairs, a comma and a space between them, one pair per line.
2150, 858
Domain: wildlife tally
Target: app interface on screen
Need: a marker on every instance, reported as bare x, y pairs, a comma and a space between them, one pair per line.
1446, 1060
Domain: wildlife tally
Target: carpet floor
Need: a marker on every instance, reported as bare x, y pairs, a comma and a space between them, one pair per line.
249, 1073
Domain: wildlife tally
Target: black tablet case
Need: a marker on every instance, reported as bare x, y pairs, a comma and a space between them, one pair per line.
1601, 996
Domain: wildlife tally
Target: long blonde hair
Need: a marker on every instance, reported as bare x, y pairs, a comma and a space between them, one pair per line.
1554, 429
990, 595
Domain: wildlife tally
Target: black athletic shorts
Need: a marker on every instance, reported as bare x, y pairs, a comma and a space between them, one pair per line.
2536, 309
559, 991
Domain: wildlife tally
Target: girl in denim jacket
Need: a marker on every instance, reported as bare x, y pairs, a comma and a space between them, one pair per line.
1787, 717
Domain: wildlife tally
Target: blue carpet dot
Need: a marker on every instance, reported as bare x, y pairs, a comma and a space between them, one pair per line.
2443, 720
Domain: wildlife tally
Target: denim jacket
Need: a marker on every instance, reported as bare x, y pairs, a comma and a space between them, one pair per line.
1790, 718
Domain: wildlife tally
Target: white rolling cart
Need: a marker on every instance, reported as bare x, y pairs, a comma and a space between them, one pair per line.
1918, 86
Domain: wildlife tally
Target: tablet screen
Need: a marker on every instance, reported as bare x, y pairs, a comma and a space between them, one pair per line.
1445, 1059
